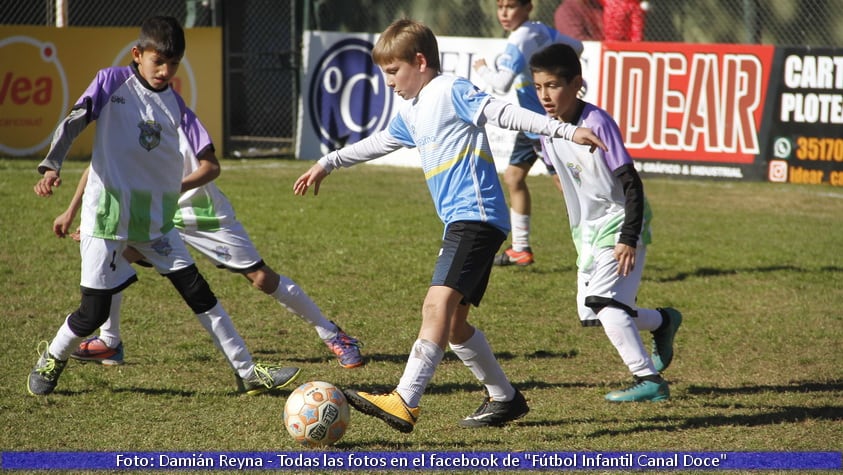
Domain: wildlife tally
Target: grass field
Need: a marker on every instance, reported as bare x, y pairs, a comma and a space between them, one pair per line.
756, 268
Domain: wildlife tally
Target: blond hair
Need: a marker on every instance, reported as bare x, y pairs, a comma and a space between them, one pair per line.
402, 40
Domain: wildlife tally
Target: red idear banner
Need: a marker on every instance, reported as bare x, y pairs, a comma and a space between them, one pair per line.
682, 102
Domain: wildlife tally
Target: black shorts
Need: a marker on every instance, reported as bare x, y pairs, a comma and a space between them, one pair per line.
466, 258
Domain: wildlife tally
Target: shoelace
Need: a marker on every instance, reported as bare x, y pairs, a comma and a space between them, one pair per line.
343, 339
482, 407
264, 375
636, 382
48, 371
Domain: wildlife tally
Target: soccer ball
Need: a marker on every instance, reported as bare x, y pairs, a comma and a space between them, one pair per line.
316, 414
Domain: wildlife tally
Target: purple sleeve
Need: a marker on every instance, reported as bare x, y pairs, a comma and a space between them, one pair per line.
602, 124
99, 91
85, 110
197, 136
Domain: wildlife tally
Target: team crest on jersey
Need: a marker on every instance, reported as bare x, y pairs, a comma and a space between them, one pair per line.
162, 247
576, 171
150, 134
223, 254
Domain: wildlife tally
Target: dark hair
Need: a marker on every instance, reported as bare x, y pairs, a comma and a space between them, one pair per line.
559, 60
402, 40
164, 35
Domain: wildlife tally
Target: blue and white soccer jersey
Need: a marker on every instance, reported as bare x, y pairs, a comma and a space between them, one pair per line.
595, 202
521, 44
446, 124
527, 39
135, 176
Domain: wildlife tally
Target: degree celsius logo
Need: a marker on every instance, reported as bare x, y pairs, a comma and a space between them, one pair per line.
349, 99
32, 95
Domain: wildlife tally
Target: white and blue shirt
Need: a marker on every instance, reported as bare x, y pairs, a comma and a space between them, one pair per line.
446, 124
521, 44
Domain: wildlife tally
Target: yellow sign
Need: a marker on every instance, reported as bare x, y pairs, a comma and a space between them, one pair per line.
44, 70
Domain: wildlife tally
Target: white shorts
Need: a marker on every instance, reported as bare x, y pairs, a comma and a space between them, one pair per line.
602, 280
228, 247
103, 266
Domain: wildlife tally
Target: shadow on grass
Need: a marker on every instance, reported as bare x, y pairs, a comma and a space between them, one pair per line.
476, 386
712, 272
762, 416
156, 391
797, 387
392, 446
449, 356
280, 392
778, 415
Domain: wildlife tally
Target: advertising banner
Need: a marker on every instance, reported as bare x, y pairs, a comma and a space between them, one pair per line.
689, 109
804, 137
722, 111
44, 70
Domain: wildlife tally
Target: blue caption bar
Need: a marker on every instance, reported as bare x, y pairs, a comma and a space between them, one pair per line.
497, 461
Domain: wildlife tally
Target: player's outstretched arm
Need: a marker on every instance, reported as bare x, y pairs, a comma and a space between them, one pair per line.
44, 186
312, 177
585, 136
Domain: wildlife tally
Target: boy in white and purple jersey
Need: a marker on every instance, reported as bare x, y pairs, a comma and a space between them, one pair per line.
444, 118
206, 221
610, 223
512, 71
131, 196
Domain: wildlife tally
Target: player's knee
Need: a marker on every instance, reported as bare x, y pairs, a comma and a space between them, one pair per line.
193, 288
512, 177
596, 304
264, 279
91, 314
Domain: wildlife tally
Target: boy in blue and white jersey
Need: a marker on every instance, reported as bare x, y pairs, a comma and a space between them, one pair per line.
610, 223
144, 129
512, 71
444, 118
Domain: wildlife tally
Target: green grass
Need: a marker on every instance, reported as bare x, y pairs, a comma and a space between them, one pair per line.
756, 268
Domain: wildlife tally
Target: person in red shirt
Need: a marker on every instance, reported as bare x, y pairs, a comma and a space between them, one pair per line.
623, 20
580, 19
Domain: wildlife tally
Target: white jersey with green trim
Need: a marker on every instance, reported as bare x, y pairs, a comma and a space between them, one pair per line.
205, 208
134, 183
594, 196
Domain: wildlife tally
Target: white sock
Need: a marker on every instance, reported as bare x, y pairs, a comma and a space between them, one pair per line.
648, 319
294, 299
477, 355
425, 356
110, 330
65, 342
219, 325
520, 230
623, 334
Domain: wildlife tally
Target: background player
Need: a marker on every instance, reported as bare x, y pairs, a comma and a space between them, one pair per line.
512, 71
